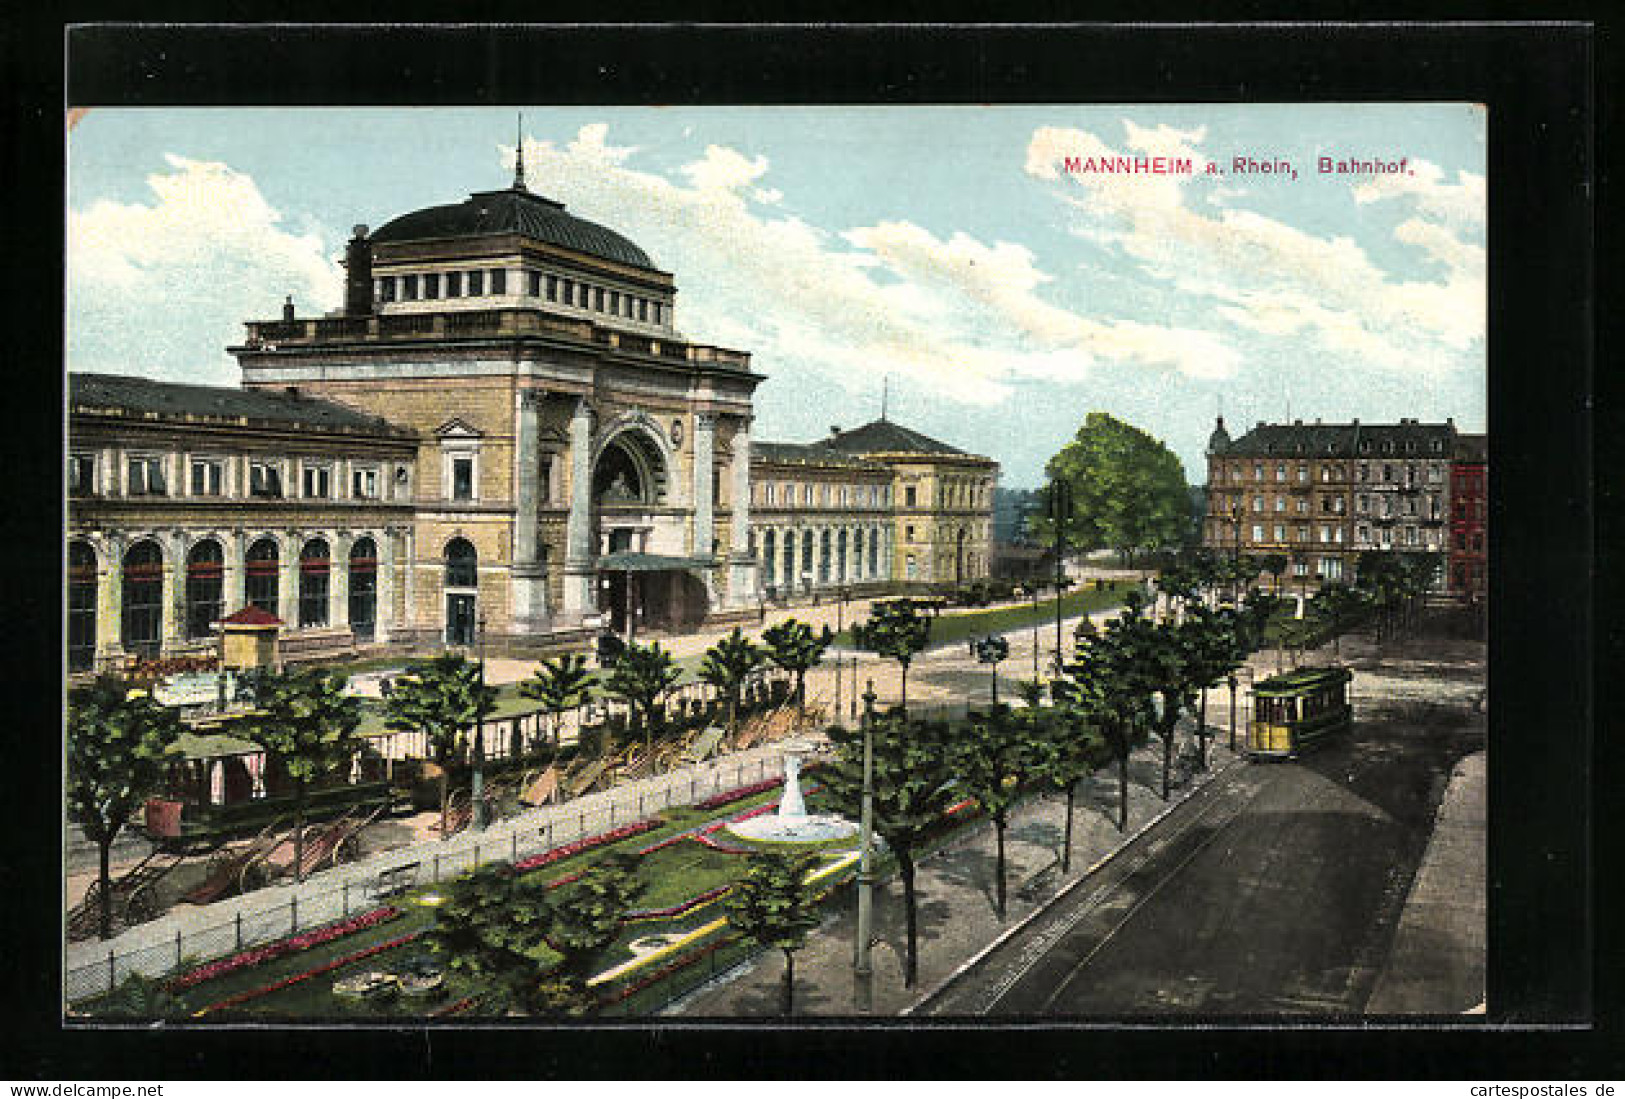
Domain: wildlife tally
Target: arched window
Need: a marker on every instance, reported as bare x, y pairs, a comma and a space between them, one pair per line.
143, 598
81, 607
789, 580
315, 569
857, 555
874, 552
840, 558
364, 588
769, 558
462, 572
823, 558
807, 553
260, 585
205, 583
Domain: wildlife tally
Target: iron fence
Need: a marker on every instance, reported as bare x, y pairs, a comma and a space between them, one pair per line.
506, 841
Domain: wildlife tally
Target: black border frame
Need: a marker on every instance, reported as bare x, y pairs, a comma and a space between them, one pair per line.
1540, 82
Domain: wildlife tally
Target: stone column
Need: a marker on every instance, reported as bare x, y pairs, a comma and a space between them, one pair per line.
704, 541
384, 617
110, 598
578, 557
234, 581
528, 613
173, 630
743, 577
338, 580
287, 585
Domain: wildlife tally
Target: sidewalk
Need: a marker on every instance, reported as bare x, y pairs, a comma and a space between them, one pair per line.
1436, 966
955, 891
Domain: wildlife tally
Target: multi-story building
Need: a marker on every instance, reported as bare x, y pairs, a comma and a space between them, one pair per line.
501, 434
1321, 494
187, 502
1469, 516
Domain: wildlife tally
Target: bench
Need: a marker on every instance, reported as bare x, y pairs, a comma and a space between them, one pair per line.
396, 880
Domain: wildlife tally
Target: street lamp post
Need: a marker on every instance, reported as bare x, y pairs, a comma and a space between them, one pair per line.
1060, 512
862, 966
1235, 553
478, 792
1035, 630
1231, 682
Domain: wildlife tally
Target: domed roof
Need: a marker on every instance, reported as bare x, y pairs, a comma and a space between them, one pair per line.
1219, 441
516, 210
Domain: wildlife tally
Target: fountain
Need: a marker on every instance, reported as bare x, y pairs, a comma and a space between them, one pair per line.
792, 823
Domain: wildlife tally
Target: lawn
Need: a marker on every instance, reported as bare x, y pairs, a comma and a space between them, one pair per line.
957, 627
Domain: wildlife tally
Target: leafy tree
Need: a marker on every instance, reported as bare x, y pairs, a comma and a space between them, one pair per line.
774, 906
895, 630
1128, 490
1274, 564
444, 697
585, 916
994, 754
914, 785
1107, 686
140, 997
491, 926
991, 650
560, 684
727, 666
309, 723
642, 674
1212, 651
797, 648
1065, 751
116, 743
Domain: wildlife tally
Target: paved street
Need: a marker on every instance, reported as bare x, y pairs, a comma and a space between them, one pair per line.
1278, 888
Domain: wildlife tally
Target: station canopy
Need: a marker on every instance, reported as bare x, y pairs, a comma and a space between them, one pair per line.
650, 562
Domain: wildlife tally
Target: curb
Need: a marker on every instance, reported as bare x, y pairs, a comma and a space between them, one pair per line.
942, 985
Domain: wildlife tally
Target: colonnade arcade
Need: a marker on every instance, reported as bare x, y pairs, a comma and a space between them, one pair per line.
804, 557
144, 593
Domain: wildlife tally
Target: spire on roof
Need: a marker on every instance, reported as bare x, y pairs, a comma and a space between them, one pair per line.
519, 154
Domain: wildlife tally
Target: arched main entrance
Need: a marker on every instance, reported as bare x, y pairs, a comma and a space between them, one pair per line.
462, 591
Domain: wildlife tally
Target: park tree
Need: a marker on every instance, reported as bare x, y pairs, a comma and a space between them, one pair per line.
773, 905
1066, 748
1274, 564
914, 786
1212, 652
1128, 490
642, 674
559, 684
491, 926
116, 743
585, 915
994, 754
896, 630
797, 648
727, 666
306, 720
1107, 686
444, 698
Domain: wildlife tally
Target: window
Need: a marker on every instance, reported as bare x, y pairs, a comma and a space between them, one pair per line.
568, 291
364, 588
261, 565
823, 496
1258, 471
431, 286
409, 288
81, 475
386, 288
476, 284
499, 281
1303, 475
143, 599
364, 484
1478, 541
767, 494
1435, 474
1280, 503
643, 309
208, 477
1410, 536
1280, 473
1362, 534
552, 288
1325, 534
1258, 503
318, 483
534, 279
598, 298
615, 302
264, 479
659, 313
147, 477
454, 284
911, 569
1303, 507
1300, 567
462, 478
1280, 534
908, 534
81, 607
1337, 535
908, 496
315, 567
205, 578
462, 564
874, 552
1258, 533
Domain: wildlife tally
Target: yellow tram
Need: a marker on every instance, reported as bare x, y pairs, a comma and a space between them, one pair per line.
1296, 711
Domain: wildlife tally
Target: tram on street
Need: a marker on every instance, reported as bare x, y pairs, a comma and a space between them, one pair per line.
1297, 711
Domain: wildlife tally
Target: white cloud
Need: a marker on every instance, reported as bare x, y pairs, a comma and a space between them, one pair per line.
207, 252
961, 316
1268, 277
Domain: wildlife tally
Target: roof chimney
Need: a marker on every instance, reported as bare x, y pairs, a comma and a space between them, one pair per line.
834, 430
358, 274
287, 310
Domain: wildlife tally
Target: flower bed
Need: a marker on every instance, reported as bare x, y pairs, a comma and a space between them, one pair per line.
560, 853
680, 909
326, 967
282, 947
727, 797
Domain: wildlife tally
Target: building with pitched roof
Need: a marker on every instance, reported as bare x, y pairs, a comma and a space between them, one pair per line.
1469, 517
1321, 494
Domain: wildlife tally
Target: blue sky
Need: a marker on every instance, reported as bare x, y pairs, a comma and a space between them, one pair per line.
944, 247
